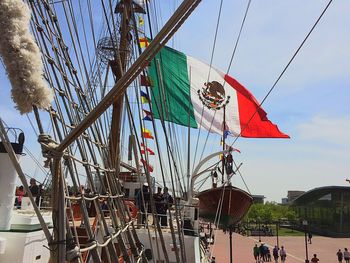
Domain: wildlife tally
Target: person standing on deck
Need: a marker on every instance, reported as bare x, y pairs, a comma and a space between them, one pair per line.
142, 203
19, 195
158, 197
167, 202
35, 190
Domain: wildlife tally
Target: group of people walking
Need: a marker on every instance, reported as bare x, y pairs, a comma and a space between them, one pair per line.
263, 254
345, 255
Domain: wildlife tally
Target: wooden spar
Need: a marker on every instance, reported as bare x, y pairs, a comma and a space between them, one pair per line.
128, 167
118, 66
169, 29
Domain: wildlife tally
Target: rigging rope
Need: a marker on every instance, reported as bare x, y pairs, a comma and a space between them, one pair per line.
210, 66
231, 60
76, 117
285, 68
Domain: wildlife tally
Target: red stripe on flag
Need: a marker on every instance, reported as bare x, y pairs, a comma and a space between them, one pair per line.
259, 126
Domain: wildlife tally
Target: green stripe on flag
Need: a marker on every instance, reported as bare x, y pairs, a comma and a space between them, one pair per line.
175, 81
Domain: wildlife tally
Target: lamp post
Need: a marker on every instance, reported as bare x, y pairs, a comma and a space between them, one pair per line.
259, 229
277, 226
307, 256
231, 230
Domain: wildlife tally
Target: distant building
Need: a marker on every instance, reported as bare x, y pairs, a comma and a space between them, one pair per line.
284, 201
326, 209
258, 199
292, 195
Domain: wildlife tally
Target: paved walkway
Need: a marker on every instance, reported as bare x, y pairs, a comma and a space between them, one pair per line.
324, 247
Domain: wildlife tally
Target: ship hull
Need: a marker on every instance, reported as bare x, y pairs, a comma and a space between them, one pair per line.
235, 205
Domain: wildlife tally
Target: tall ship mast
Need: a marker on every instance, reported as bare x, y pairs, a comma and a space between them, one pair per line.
80, 142
110, 103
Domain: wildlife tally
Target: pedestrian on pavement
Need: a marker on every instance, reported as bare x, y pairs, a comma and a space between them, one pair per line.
340, 256
256, 252
309, 237
275, 254
265, 256
315, 259
268, 255
261, 251
346, 255
283, 254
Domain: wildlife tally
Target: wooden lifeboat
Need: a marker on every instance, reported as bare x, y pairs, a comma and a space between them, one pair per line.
235, 205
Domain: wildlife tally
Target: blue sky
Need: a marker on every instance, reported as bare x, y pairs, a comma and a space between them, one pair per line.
310, 103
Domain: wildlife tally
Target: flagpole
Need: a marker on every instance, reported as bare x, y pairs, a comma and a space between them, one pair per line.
223, 144
188, 152
189, 139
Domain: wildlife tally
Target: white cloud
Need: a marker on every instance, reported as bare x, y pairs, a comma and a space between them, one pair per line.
272, 33
326, 129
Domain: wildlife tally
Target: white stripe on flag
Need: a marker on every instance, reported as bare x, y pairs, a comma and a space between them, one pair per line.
198, 75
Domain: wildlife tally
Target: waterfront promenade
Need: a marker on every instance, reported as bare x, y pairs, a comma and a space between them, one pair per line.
325, 248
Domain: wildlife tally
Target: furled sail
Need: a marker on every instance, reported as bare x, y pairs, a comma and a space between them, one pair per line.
22, 58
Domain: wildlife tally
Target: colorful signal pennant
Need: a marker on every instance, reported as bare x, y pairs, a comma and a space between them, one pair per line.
141, 21
144, 97
147, 115
230, 148
145, 164
147, 134
143, 42
146, 81
145, 148
226, 133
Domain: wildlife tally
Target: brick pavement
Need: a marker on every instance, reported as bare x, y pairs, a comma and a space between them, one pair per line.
324, 247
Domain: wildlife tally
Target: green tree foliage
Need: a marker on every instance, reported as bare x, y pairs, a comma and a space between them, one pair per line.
270, 212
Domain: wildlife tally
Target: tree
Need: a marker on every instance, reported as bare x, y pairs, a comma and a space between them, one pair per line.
270, 212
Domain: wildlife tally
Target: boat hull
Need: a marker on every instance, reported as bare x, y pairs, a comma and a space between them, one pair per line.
235, 205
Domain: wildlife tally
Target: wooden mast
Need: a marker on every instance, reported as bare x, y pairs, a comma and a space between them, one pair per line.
123, 79
118, 65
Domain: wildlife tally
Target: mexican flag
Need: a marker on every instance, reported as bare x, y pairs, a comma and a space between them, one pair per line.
187, 91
